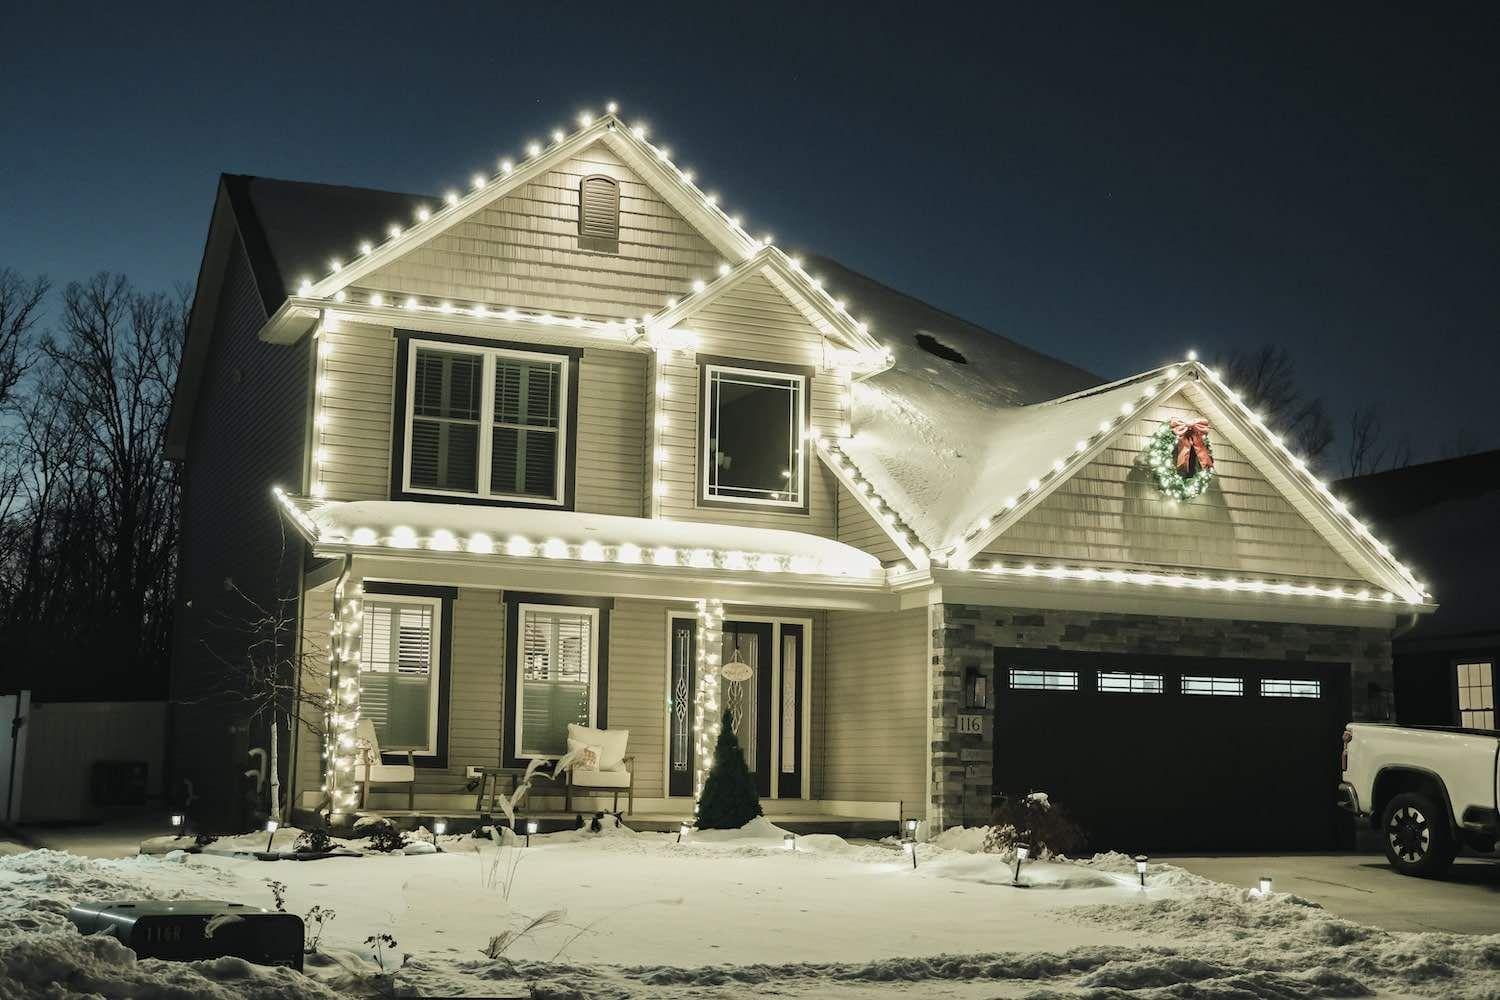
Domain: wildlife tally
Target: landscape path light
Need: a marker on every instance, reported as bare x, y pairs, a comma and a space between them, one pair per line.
177, 822
789, 841
910, 846
1140, 868
439, 827
271, 826
682, 830
911, 828
1022, 853
1265, 885
531, 827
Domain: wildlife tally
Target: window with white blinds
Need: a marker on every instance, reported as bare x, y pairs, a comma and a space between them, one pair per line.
557, 656
486, 422
599, 214
399, 671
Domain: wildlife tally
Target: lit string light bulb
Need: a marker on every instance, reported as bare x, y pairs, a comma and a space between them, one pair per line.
706, 719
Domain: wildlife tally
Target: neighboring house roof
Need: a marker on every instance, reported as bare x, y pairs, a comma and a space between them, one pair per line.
1444, 516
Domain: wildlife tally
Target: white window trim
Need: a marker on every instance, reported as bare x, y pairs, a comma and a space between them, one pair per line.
706, 452
487, 420
520, 669
435, 669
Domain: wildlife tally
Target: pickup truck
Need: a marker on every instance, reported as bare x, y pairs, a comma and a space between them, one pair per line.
1429, 790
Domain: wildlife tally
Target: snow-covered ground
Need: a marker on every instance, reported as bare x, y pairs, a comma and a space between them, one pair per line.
637, 915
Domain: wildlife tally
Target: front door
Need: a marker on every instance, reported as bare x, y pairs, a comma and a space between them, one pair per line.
745, 673
762, 668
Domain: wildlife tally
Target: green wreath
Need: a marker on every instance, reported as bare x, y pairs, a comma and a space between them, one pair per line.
1161, 455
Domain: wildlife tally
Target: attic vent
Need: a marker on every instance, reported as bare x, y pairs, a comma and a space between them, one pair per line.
599, 214
932, 345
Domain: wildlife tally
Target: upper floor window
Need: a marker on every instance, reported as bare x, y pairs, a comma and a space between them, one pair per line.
599, 214
486, 422
754, 422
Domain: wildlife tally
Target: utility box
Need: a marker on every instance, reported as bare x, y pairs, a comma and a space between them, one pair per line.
188, 930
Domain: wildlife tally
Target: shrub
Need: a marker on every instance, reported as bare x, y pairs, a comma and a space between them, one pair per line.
385, 838
315, 841
1035, 821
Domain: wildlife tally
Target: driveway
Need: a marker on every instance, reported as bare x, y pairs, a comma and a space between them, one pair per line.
1362, 888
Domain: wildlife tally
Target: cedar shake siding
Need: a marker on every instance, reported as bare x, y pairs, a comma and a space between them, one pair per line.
248, 432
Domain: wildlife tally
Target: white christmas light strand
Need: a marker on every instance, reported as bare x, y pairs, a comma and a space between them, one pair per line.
885, 512
622, 553
340, 751
1182, 582
1058, 466
428, 218
706, 719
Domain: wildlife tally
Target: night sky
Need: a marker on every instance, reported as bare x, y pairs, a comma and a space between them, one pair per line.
1112, 188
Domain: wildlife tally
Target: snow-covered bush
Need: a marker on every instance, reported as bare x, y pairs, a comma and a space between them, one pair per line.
385, 838
314, 841
1034, 821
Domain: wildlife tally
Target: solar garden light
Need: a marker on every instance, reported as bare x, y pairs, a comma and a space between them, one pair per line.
1022, 853
531, 827
1265, 885
1140, 868
271, 826
177, 821
439, 827
789, 841
682, 830
910, 846
911, 828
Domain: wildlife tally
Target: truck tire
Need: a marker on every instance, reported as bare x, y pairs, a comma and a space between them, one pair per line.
1417, 837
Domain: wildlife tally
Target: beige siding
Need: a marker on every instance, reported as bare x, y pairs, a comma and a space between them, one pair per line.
874, 696
611, 432
358, 367
358, 408
476, 689
638, 685
1112, 512
754, 322
522, 251
857, 528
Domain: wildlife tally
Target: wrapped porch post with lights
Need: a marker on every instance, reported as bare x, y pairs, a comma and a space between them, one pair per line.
706, 718
340, 753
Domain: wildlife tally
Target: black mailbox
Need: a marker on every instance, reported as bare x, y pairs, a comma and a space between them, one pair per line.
187, 930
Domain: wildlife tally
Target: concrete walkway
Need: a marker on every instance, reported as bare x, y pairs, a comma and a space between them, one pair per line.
1363, 888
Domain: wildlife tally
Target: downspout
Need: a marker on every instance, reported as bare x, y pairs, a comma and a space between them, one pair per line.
1400, 630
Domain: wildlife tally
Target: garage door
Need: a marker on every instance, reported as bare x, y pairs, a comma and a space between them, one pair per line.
1154, 753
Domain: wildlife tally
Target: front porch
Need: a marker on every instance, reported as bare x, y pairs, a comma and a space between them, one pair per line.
825, 678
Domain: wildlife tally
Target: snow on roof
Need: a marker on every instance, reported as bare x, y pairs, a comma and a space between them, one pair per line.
562, 534
957, 458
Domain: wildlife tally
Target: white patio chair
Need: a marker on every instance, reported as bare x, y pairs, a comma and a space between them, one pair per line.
367, 745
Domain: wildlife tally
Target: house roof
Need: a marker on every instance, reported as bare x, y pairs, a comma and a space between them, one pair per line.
1444, 516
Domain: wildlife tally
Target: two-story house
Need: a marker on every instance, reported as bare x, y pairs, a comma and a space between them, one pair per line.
573, 444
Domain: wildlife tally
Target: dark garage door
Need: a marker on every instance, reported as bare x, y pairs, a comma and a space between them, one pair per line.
1164, 753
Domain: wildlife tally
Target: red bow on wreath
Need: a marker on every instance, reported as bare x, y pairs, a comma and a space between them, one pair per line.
1192, 446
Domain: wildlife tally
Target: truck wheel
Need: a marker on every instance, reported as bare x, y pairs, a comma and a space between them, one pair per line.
1417, 838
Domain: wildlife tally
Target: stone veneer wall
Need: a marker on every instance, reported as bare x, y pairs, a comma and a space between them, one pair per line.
965, 635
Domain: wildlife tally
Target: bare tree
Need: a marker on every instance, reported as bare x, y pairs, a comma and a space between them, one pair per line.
20, 308
279, 685
115, 362
1267, 379
1371, 448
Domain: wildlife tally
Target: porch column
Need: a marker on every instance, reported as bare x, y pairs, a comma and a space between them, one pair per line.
962, 737
340, 752
706, 714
